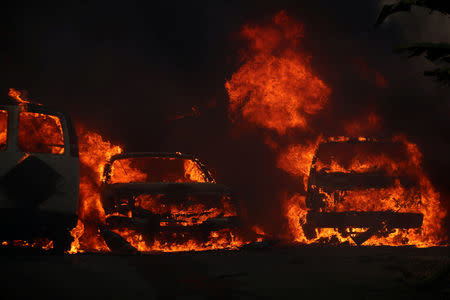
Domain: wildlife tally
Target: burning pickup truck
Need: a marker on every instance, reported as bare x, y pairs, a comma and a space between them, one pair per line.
362, 187
39, 174
165, 196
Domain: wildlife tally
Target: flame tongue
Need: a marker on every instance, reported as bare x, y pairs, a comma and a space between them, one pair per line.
18, 96
95, 151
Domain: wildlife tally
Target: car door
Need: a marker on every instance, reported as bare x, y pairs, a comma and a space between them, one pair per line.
38, 166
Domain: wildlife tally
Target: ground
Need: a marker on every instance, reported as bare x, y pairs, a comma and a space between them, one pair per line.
263, 272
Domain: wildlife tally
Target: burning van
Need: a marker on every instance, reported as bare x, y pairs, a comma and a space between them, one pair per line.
362, 187
165, 196
39, 174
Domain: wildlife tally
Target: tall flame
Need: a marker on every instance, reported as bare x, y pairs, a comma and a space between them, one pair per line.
275, 88
95, 151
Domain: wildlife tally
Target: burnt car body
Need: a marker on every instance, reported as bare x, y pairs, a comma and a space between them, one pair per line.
39, 174
165, 201
336, 185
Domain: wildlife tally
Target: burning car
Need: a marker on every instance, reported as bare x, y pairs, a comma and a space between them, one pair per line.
170, 196
361, 187
39, 174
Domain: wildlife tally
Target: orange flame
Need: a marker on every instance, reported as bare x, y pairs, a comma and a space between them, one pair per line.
276, 88
40, 133
222, 239
95, 151
17, 95
3, 128
192, 172
296, 160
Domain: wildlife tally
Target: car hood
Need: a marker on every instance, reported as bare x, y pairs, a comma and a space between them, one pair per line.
166, 188
330, 182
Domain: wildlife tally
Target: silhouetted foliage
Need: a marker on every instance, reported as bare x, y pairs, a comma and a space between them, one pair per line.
433, 51
440, 75
442, 6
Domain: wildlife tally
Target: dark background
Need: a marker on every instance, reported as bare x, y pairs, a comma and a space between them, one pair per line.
126, 69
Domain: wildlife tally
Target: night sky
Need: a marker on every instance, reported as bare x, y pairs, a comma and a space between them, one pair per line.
127, 69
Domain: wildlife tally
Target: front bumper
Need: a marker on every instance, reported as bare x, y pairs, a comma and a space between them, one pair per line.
373, 220
359, 219
150, 225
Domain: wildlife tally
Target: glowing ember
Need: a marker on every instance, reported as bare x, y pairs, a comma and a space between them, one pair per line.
45, 244
223, 239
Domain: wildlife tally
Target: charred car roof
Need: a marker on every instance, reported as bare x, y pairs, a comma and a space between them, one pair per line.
179, 155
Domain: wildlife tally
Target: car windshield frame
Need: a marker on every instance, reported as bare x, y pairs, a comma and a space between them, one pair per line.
320, 175
206, 174
349, 143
